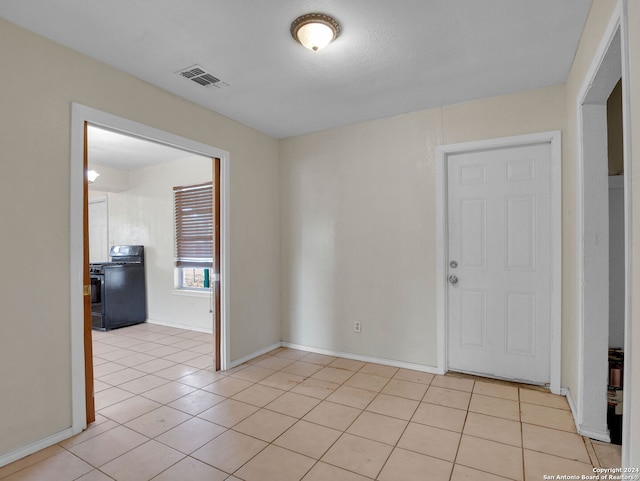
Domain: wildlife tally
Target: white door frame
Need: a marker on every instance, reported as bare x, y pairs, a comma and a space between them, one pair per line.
79, 115
442, 257
608, 65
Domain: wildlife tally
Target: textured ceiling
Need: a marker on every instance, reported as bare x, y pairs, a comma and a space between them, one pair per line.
392, 57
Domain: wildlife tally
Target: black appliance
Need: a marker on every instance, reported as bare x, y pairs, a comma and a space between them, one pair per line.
118, 289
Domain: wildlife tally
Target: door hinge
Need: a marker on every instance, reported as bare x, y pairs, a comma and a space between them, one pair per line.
86, 290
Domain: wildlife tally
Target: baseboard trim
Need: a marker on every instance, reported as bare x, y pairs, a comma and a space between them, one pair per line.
180, 326
596, 434
358, 357
253, 355
16, 454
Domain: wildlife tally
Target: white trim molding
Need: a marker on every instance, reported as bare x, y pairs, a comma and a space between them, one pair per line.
40, 444
79, 115
553, 138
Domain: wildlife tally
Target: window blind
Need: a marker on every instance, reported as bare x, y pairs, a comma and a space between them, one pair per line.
194, 225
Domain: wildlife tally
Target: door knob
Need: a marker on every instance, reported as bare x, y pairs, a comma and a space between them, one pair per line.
453, 279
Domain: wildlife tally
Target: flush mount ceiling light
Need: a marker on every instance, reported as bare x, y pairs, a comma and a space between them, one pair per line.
92, 175
315, 30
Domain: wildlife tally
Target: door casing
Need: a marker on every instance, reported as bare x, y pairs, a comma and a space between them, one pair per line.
442, 256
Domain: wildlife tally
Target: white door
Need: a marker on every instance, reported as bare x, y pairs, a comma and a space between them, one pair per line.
499, 235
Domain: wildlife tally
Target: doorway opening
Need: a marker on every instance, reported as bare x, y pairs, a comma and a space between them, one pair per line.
82, 116
603, 204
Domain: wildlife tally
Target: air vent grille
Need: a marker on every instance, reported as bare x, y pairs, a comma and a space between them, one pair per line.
199, 75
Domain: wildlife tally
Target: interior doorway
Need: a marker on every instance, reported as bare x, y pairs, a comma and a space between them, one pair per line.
593, 249
219, 165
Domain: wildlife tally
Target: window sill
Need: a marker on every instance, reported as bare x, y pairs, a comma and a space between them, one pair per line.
203, 293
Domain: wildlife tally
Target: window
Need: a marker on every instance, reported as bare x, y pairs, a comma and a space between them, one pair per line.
193, 210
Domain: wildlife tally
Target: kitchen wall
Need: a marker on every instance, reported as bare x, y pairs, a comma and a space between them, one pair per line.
358, 223
144, 215
35, 123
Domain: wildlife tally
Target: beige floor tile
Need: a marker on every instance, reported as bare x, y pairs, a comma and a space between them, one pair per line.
276, 464
155, 365
144, 383
91, 431
332, 415
293, 404
496, 390
95, 475
544, 399
289, 353
414, 376
129, 409
407, 389
462, 473
331, 374
122, 376
29, 460
228, 413
547, 417
189, 469
163, 351
360, 455
394, 406
109, 397
308, 438
434, 442
492, 457
324, 472
452, 382
176, 371
377, 427
493, 406
370, 382
275, 363
229, 451
157, 421
302, 368
200, 378
107, 446
320, 359
100, 386
205, 361
495, 429
351, 396
142, 463
266, 425
536, 465
315, 388
62, 466
135, 359
181, 356
447, 397
283, 380
555, 442
608, 455
186, 344
196, 402
168, 392
253, 373
440, 417
228, 386
190, 435
106, 369
378, 370
407, 465
347, 364
258, 395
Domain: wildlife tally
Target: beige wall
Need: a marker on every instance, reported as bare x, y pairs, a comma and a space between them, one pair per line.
634, 341
40, 81
358, 223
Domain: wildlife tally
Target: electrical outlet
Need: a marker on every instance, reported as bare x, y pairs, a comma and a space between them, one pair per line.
357, 326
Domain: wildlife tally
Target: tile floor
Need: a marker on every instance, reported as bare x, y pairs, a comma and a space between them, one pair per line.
290, 415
